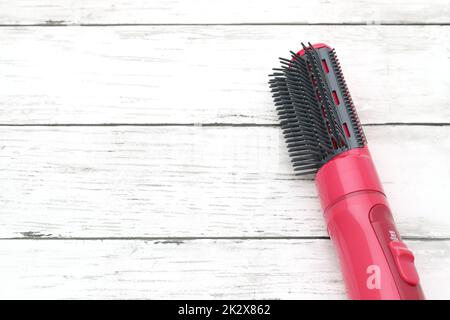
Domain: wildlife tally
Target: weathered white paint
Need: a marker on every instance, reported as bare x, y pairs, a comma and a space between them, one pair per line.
176, 269
203, 74
172, 182
199, 181
215, 11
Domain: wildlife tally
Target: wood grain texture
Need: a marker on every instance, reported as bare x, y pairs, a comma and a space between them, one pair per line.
202, 269
65, 12
101, 211
199, 182
206, 74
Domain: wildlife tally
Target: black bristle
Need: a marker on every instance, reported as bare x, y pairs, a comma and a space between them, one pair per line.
311, 120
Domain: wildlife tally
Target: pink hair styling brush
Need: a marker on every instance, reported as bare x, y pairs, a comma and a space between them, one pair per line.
324, 137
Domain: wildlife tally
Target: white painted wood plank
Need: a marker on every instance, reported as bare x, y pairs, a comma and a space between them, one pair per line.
194, 181
215, 11
214, 269
208, 74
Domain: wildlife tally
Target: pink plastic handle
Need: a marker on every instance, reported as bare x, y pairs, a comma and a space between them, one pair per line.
375, 263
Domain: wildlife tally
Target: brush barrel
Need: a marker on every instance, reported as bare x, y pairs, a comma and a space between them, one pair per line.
376, 264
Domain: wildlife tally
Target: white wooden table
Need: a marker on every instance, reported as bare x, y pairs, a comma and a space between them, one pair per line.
140, 155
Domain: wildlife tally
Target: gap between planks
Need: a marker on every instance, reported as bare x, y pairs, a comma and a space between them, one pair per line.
288, 24
38, 236
218, 124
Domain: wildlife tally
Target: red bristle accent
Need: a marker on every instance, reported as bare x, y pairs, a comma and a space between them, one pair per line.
335, 97
333, 140
325, 66
347, 132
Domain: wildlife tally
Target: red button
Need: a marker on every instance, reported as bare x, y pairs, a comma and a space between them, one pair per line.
404, 259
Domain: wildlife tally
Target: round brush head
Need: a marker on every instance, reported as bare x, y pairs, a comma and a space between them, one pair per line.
314, 107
